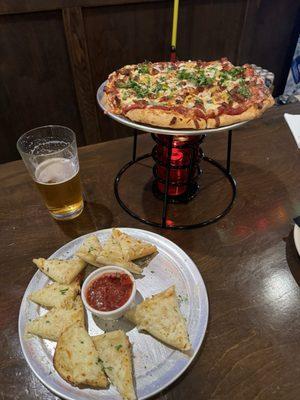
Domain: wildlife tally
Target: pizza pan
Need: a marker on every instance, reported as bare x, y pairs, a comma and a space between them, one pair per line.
297, 238
156, 365
153, 129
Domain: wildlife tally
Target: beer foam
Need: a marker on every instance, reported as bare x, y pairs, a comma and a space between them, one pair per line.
56, 170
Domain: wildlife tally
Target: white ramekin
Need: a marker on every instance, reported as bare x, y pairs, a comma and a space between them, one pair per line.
114, 314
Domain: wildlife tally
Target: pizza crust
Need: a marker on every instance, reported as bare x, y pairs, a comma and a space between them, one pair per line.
251, 113
166, 119
106, 104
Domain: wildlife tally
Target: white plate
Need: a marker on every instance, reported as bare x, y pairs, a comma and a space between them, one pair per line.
156, 365
297, 237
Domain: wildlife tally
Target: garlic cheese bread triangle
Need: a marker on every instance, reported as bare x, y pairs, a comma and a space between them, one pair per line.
52, 324
132, 248
76, 358
55, 295
114, 350
104, 259
112, 255
161, 317
89, 250
61, 271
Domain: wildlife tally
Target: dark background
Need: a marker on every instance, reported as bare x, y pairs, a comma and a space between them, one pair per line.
55, 53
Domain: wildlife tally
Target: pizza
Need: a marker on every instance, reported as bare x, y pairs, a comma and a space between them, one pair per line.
187, 94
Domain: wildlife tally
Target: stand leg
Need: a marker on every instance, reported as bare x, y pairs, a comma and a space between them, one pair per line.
191, 169
229, 140
134, 145
168, 167
193, 156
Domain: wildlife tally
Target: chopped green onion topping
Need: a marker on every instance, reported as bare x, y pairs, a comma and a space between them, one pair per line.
143, 68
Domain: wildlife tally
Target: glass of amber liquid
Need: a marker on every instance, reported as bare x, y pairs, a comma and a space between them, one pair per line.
50, 155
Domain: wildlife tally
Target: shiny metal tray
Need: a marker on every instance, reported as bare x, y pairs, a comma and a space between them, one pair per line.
158, 130
156, 365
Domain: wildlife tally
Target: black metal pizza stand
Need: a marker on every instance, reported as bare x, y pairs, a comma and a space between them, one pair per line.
165, 182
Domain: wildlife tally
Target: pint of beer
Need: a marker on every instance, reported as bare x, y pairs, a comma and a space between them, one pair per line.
50, 155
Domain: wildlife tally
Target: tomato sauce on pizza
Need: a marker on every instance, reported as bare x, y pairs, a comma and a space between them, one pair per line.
187, 94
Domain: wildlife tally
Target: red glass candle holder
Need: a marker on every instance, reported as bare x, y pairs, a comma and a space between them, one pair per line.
184, 161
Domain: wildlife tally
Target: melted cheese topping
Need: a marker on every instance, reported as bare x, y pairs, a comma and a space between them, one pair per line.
189, 84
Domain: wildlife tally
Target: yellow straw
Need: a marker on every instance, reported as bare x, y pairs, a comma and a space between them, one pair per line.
175, 23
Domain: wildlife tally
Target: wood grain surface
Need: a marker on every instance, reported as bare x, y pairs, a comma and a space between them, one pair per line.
25, 6
78, 53
56, 53
248, 260
258, 38
36, 87
111, 44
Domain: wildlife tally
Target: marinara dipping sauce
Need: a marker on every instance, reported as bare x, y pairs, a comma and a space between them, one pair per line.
109, 291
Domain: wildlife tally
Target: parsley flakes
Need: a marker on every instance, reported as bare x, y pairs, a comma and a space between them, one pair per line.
184, 74
140, 90
183, 299
231, 74
244, 91
198, 78
143, 68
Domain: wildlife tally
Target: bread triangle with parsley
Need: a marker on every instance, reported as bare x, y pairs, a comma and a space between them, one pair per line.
131, 247
61, 271
89, 250
112, 254
54, 322
56, 295
161, 317
76, 359
114, 350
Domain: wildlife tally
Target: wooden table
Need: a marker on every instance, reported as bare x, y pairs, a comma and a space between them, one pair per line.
247, 260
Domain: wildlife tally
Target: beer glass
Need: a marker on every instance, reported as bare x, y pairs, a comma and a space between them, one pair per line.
50, 155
